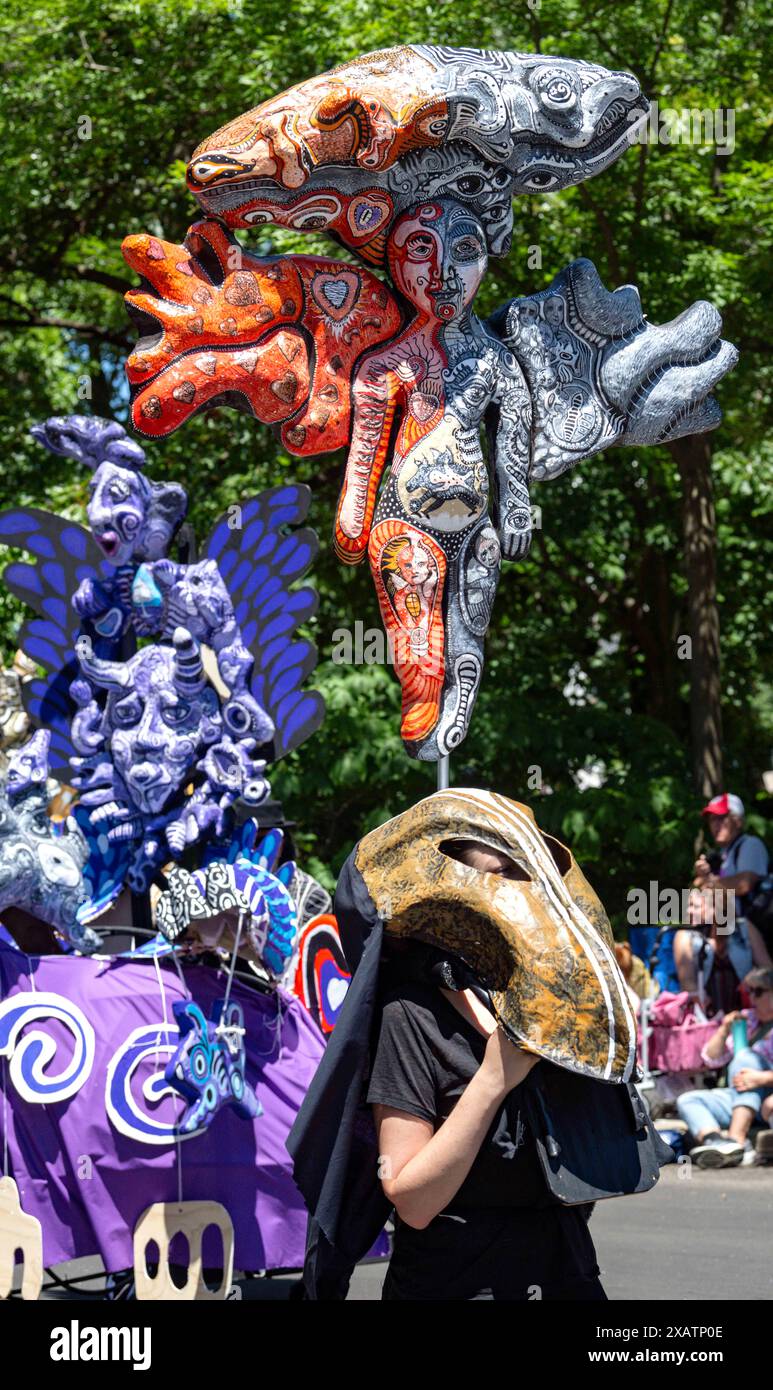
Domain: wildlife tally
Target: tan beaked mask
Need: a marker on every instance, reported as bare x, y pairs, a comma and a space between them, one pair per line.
540, 943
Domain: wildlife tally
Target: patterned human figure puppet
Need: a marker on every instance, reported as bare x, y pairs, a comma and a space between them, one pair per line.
410, 157
431, 530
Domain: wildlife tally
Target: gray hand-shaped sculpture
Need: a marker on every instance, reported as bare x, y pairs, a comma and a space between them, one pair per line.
600, 374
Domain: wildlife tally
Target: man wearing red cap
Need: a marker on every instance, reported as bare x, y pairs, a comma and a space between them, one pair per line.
727, 946
743, 858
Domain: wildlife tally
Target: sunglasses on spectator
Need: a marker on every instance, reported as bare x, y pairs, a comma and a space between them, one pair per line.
755, 993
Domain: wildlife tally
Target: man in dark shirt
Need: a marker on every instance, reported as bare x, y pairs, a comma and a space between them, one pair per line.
475, 1217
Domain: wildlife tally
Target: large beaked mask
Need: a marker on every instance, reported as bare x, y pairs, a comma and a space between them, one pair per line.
540, 943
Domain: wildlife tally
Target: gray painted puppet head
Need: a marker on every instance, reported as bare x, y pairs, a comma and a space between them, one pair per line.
161, 716
41, 865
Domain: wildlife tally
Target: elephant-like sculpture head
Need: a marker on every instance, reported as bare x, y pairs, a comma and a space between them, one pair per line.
537, 938
346, 152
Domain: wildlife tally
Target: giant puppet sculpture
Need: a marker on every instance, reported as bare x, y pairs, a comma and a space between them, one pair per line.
410, 157
160, 746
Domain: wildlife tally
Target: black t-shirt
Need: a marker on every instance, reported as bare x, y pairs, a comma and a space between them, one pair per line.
503, 1235
426, 1055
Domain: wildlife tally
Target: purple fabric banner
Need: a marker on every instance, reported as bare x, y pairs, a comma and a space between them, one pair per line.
88, 1116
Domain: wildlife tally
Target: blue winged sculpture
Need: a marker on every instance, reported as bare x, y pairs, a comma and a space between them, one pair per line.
260, 565
210, 700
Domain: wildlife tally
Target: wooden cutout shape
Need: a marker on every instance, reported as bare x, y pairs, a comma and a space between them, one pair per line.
161, 1223
18, 1231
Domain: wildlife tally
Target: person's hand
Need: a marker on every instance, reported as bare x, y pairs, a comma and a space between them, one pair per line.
728, 1021
701, 868
506, 1064
747, 1079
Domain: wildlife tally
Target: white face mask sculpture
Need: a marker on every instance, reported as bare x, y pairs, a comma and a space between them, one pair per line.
160, 729
410, 158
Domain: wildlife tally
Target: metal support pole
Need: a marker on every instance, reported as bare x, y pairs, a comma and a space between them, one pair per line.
443, 772
142, 914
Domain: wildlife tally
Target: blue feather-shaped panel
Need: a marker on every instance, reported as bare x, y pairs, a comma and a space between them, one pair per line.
64, 554
262, 558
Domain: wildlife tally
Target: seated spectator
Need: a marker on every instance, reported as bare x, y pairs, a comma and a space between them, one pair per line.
720, 1120
640, 983
720, 944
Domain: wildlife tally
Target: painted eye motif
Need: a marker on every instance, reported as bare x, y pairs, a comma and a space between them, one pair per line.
311, 222
419, 247
469, 185
199, 1065
560, 93
258, 217
466, 249
540, 181
119, 491
476, 393
127, 713
501, 178
176, 714
557, 91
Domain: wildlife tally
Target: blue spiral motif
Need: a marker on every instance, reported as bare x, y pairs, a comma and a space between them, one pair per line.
124, 1107
30, 1053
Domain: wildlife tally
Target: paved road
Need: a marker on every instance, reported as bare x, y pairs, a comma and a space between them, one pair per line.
705, 1236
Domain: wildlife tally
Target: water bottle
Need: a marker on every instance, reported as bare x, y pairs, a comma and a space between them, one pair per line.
739, 1035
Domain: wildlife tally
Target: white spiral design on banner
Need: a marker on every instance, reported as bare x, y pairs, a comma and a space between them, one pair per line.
31, 1052
124, 1098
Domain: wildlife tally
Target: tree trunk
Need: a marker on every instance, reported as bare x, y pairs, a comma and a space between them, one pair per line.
693, 458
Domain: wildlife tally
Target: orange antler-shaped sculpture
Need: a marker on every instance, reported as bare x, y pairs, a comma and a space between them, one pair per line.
278, 337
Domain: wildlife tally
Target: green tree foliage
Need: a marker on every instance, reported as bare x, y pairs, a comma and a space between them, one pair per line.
104, 102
